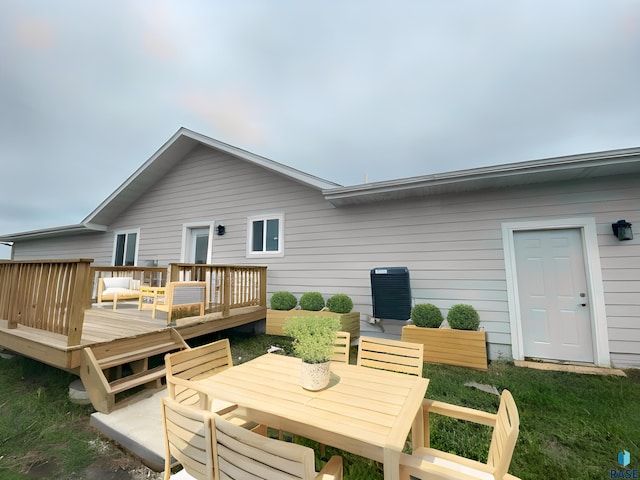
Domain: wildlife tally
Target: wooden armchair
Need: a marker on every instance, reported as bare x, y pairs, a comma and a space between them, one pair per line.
185, 367
426, 462
208, 447
181, 295
391, 355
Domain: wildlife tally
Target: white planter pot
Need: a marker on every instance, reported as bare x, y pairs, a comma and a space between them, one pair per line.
315, 376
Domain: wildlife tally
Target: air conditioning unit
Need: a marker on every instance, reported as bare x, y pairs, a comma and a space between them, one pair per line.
391, 293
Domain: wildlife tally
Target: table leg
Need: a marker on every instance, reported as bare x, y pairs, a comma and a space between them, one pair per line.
391, 464
417, 431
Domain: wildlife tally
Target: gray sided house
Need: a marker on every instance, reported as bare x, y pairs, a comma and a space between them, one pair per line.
529, 245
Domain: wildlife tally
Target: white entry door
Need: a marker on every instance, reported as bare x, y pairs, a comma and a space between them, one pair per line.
198, 248
552, 289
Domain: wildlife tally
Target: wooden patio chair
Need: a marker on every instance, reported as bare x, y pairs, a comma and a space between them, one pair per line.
341, 349
241, 454
426, 462
391, 355
209, 447
188, 441
185, 367
181, 295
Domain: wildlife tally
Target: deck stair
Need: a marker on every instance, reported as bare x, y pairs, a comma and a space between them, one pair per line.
116, 367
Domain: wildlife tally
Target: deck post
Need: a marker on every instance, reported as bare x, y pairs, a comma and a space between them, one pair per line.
226, 291
263, 286
81, 290
13, 300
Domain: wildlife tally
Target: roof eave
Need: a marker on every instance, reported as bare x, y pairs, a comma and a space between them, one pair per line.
77, 229
561, 168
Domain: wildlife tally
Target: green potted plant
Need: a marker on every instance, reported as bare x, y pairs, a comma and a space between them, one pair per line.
426, 315
283, 300
312, 301
314, 340
463, 317
340, 303
461, 344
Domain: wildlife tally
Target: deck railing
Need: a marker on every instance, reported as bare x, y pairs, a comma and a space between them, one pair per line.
228, 286
48, 295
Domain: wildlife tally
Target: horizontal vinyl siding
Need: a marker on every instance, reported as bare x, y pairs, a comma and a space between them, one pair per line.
92, 245
451, 244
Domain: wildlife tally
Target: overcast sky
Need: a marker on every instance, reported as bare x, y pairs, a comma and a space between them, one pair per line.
89, 90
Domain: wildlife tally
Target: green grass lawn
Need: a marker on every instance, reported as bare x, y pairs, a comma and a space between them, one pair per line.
571, 426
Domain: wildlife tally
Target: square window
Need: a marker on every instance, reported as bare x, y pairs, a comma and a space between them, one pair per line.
125, 249
265, 236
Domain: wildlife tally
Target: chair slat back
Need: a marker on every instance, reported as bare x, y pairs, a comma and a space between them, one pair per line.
189, 439
392, 355
243, 455
194, 364
341, 348
505, 434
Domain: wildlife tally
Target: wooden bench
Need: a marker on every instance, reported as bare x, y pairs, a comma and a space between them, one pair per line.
181, 295
103, 367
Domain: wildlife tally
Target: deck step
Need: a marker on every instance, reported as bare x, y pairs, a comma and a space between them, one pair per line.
139, 354
141, 378
103, 367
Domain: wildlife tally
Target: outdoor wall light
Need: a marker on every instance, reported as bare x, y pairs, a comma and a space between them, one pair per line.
220, 229
622, 230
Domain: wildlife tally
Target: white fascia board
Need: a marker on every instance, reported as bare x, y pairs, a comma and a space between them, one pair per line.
54, 232
488, 176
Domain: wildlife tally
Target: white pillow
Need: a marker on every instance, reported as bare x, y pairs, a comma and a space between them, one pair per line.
117, 282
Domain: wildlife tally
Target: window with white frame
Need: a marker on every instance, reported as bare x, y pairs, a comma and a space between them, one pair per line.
125, 249
265, 235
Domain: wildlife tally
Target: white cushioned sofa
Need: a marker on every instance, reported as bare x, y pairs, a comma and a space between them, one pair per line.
118, 288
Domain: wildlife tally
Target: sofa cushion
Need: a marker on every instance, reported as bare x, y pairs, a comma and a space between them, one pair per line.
117, 282
120, 291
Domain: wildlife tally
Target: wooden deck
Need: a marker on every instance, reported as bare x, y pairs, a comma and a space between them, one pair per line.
103, 325
46, 314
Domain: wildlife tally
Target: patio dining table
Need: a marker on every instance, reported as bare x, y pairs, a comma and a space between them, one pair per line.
364, 411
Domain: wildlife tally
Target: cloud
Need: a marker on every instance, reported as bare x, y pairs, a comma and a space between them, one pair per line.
231, 113
338, 89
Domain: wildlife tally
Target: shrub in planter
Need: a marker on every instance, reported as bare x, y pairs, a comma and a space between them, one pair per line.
463, 317
426, 315
283, 301
312, 301
340, 303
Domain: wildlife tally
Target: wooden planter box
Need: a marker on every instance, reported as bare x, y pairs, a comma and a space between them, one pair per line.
276, 318
462, 348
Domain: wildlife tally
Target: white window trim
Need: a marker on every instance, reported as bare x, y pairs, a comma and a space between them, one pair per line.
595, 287
266, 216
115, 243
186, 237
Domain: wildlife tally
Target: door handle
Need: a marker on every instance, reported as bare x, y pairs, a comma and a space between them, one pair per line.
583, 296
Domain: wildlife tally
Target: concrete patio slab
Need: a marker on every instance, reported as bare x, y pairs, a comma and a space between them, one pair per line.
137, 427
